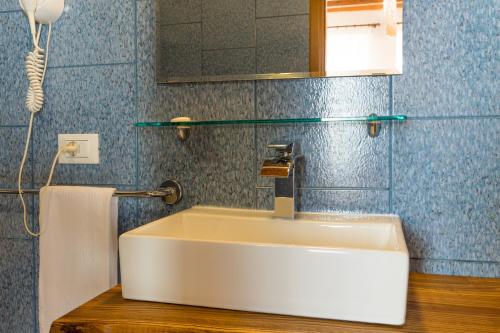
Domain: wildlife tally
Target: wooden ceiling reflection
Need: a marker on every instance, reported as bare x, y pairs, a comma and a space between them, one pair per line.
356, 5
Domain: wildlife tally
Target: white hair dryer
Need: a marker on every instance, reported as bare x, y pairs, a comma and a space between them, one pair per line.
41, 11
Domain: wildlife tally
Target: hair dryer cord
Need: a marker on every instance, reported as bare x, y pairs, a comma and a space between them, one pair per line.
36, 68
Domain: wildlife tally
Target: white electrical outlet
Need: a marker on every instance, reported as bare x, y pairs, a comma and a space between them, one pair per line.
88, 148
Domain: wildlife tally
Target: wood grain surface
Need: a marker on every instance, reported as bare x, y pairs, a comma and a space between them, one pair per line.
436, 303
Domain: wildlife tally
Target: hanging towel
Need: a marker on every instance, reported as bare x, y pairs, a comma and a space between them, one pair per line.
78, 248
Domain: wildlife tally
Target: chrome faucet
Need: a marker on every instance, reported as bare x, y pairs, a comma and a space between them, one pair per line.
282, 168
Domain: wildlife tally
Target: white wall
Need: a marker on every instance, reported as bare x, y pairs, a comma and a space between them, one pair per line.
364, 49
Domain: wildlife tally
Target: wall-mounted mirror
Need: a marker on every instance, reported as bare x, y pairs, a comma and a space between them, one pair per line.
219, 40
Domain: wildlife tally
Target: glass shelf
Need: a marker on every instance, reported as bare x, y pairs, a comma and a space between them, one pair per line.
365, 119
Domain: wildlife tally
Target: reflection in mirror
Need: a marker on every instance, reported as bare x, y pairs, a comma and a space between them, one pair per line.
219, 40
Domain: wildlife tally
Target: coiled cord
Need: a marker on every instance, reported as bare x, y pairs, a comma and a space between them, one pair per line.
36, 68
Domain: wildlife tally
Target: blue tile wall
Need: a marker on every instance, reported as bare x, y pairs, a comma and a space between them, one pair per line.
282, 44
334, 97
11, 215
178, 11
12, 84
12, 140
230, 37
96, 100
440, 171
331, 200
241, 61
450, 58
94, 32
8, 5
17, 286
446, 187
336, 155
179, 53
454, 267
219, 32
267, 8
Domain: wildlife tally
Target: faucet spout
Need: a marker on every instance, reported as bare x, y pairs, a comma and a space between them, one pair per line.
282, 169
277, 168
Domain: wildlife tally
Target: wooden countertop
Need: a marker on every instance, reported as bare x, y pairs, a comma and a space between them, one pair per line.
436, 303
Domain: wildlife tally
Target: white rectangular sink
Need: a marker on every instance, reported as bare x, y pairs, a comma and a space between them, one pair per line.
347, 267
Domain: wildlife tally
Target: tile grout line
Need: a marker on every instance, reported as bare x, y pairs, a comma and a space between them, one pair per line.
255, 106
457, 260
201, 40
391, 145
278, 16
256, 158
10, 11
338, 188
460, 117
255, 50
229, 48
92, 65
256, 18
178, 23
136, 69
30, 241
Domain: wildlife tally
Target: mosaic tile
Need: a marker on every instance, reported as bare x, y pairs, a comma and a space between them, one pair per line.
17, 302
228, 24
332, 97
336, 155
81, 101
109, 38
228, 62
327, 201
11, 217
12, 142
450, 60
178, 11
15, 43
213, 167
454, 267
178, 51
446, 181
283, 44
9, 5
266, 8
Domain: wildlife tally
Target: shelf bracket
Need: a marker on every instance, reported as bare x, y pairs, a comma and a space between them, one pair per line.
183, 132
374, 127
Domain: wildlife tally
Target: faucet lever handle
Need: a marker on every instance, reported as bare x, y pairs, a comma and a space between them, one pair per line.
281, 147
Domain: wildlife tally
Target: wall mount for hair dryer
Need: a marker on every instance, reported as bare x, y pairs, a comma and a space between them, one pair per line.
45, 11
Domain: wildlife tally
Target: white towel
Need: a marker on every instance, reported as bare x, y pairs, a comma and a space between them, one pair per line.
78, 248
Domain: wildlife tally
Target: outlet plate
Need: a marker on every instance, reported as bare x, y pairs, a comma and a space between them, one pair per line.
88, 152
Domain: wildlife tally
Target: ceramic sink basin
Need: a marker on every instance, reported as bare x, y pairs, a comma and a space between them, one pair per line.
348, 267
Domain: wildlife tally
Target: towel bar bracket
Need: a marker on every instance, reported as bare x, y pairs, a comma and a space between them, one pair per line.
172, 191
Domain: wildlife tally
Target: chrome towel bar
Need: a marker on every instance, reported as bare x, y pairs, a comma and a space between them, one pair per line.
170, 192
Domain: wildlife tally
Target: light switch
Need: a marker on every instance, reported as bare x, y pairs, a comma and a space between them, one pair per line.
88, 148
